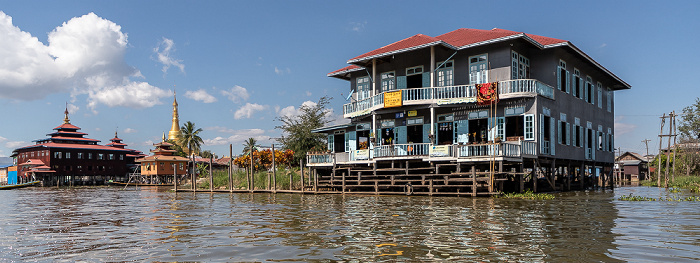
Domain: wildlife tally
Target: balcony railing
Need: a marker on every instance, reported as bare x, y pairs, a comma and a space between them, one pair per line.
432, 95
409, 149
502, 149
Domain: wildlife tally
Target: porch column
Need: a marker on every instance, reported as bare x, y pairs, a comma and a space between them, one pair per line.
432, 66
432, 124
374, 76
374, 129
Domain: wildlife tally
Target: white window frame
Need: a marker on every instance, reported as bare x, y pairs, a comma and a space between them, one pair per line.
414, 70
481, 75
445, 73
388, 81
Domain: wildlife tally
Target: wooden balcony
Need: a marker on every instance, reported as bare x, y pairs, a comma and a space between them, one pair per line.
428, 152
449, 95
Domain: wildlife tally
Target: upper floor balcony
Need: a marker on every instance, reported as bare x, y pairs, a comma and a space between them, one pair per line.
449, 95
429, 152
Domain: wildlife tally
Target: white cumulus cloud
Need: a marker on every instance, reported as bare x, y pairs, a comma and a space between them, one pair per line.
248, 110
622, 128
200, 95
84, 56
291, 111
237, 137
236, 94
283, 71
130, 130
163, 55
15, 144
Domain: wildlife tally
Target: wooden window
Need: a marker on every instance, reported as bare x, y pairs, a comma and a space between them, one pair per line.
363, 88
529, 126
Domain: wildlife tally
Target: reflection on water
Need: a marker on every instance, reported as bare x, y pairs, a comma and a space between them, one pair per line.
110, 224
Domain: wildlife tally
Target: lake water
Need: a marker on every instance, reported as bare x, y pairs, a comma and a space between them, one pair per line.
151, 224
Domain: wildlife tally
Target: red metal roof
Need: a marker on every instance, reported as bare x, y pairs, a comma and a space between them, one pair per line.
67, 132
455, 39
467, 36
67, 126
73, 139
33, 162
410, 43
344, 70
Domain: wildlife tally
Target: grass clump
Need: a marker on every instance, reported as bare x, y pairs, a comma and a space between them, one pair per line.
529, 195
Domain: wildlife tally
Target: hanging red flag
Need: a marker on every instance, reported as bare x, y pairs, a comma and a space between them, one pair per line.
487, 93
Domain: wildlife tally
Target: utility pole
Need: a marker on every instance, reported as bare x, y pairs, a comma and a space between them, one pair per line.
646, 142
658, 163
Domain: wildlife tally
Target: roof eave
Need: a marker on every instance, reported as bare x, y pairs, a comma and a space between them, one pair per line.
358, 60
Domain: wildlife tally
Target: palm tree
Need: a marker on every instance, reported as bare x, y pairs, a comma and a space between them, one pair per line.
250, 143
190, 140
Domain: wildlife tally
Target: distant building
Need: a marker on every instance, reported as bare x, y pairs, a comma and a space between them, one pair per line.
632, 167
163, 164
67, 157
8, 174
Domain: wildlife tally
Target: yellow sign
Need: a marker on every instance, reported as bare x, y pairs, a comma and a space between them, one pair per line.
412, 113
392, 99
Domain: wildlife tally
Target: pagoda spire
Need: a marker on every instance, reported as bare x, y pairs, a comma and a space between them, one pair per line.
66, 120
175, 129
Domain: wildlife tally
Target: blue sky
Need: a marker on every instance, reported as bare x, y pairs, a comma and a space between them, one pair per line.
237, 65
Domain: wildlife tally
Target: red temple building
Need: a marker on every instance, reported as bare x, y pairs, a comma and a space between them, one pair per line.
67, 157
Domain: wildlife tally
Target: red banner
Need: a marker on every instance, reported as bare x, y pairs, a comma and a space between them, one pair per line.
487, 93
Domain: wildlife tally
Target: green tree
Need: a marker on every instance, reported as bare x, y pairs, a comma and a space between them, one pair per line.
690, 123
250, 144
190, 140
206, 154
297, 135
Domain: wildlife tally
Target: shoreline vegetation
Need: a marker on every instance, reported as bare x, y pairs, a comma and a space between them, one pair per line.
677, 185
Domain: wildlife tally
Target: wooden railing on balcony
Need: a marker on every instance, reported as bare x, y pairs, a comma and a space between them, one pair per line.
409, 149
503, 149
432, 95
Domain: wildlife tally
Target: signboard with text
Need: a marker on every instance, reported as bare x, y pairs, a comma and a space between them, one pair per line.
392, 99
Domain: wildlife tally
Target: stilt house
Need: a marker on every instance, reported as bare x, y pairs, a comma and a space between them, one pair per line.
471, 112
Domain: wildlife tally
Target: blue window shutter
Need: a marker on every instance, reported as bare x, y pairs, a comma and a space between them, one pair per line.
552, 130
595, 144
559, 76
568, 83
401, 82
462, 131
352, 140
426, 79
559, 132
568, 134
426, 133
330, 143
378, 134
400, 134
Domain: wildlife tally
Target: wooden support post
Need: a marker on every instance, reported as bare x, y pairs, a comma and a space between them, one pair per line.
211, 175
230, 168
406, 168
376, 187
552, 176
430, 187
175, 177
473, 180
315, 181
392, 179
303, 185
533, 177
359, 177
274, 170
344, 180
422, 179
521, 177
